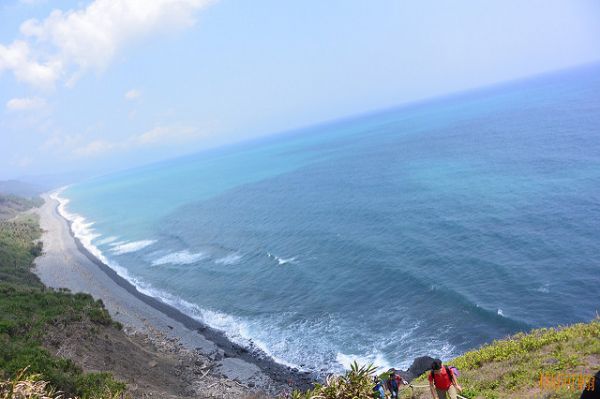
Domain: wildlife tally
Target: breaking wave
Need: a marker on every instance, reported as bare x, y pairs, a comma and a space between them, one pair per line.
184, 257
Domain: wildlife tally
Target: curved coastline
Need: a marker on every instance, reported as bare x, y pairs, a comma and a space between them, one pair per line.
225, 348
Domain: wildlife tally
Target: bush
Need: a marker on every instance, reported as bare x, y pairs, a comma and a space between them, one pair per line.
356, 383
99, 385
32, 386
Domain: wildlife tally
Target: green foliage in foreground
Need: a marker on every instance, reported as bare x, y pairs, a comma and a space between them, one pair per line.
28, 309
512, 367
31, 386
356, 383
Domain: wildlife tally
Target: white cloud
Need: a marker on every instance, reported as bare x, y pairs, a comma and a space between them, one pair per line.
133, 94
17, 57
159, 135
67, 43
24, 104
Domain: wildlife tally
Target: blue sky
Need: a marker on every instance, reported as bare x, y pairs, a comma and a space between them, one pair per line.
107, 84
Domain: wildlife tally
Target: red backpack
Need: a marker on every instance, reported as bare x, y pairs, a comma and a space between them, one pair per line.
449, 371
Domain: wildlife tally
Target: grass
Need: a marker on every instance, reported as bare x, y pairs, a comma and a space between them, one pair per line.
512, 367
508, 368
28, 309
31, 386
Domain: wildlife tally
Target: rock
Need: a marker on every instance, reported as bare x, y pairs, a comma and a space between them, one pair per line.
419, 366
216, 355
152, 364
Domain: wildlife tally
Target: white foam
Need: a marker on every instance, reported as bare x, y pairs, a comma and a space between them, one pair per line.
184, 257
500, 312
230, 259
544, 289
131, 246
281, 261
233, 328
82, 231
107, 240
262, 333
377, 359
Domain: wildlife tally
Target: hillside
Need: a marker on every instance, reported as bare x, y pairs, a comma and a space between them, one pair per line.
545, 363
20, 188
11, 205
28, 312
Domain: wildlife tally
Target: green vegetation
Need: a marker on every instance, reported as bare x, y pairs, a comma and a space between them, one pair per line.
356, 383
508, 368
28, 310
11, 205
513, 367
30, 387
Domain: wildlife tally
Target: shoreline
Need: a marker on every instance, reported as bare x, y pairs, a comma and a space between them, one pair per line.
234, 361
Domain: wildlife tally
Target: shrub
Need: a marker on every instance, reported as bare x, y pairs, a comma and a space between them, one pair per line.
356, 383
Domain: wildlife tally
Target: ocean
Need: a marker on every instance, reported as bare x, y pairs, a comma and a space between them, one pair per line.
428, 229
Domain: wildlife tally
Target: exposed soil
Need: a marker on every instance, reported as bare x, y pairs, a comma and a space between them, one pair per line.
152, 367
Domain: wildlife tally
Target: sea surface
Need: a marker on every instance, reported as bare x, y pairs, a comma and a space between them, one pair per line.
426, 229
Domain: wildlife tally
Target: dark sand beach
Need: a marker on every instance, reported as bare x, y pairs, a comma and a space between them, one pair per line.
67, 264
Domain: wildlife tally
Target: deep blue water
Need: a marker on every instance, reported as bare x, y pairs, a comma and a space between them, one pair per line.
427, 229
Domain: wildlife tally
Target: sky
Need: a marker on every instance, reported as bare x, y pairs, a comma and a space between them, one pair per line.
101, 85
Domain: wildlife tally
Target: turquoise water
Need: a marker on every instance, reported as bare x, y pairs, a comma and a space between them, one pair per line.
426, 229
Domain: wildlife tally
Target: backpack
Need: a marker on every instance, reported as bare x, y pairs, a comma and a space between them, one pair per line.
450, 370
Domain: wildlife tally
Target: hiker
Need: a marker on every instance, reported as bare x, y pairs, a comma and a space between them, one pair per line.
592, 388
378, 387
393, 383
442, 381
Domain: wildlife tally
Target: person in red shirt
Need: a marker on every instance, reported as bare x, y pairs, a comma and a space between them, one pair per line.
443, 382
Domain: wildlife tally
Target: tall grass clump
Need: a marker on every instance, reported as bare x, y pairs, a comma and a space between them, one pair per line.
357, 383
